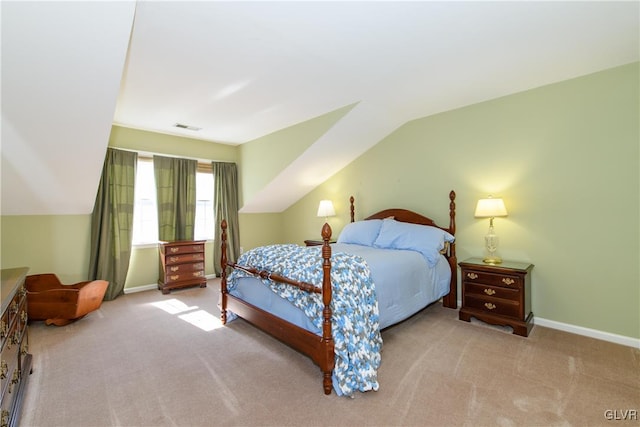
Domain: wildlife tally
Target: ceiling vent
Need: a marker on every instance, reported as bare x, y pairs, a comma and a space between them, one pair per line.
182, 126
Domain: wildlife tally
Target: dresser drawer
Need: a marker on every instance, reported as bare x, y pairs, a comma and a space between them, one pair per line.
496, 306
506, 280
181, 259
180, 277
483, 290
4, 328
185, 268
14, 309
182, 249
9, 360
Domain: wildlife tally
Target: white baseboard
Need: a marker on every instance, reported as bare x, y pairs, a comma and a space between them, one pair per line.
587, 332
592, 333
140, 288
153, 286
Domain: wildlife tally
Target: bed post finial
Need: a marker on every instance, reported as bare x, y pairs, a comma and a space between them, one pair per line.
351, 199
223, 273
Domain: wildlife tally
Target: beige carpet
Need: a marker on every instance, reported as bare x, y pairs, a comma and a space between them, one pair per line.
148, 359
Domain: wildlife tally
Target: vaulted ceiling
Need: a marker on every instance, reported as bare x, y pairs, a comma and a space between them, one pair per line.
241, 70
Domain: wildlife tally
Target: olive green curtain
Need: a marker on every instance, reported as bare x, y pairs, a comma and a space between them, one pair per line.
225, 206
112, 221
176, 194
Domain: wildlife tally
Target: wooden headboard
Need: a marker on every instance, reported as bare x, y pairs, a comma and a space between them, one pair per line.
405, 215
449, 252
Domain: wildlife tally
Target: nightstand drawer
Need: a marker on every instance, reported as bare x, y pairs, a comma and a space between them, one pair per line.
493, 305
492, 291
494, 279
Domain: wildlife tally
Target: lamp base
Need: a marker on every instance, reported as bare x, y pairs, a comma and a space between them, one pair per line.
492, 260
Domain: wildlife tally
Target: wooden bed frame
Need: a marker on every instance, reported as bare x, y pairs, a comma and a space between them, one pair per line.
321, 348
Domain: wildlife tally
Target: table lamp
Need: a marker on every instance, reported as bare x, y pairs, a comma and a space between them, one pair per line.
491, 208
326, 209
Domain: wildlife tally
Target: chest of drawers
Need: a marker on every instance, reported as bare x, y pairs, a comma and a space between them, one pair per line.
181, 265
499, 294
15, 362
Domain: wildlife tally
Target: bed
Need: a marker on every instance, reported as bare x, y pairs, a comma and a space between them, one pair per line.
330, 302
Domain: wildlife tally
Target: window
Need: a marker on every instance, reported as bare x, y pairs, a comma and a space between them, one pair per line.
145, 212
204, 227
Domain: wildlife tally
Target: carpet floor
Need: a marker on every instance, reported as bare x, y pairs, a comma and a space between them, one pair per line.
147, 359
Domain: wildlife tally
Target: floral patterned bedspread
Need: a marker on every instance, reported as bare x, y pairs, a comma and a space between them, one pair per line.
355, 327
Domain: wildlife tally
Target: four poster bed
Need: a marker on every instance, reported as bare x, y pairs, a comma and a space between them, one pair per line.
329, 302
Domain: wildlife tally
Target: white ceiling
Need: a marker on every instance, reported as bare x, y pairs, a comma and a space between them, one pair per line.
242, 70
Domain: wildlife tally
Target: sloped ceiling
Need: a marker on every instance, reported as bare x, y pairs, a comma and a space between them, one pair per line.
242, 70
61, 69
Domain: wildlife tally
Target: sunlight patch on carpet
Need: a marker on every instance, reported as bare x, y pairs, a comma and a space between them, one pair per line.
173, 306
191, 314
202, 319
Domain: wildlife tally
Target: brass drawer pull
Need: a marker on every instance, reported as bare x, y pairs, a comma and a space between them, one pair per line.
508, 281
15, 380
472, 275
174, 250
4, 369
174, 269
489, 305
175, 277
489, 291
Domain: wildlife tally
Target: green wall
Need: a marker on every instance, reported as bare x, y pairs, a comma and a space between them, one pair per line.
47, 244
170, 145
564, 157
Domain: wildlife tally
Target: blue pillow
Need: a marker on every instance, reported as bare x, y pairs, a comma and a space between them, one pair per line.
361, 232
427, 240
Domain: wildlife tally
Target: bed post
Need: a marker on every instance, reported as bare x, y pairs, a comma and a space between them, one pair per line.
451, 300
223, 274
352, 209
327, 337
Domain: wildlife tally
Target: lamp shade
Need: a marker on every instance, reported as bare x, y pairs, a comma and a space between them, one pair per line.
490, 208
325, 208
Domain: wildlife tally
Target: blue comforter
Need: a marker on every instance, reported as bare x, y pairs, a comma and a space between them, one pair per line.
356, 331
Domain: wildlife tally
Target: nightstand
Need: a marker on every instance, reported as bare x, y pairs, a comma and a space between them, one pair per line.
499, 294
316, 242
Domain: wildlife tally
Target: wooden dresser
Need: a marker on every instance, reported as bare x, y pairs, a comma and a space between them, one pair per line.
15, 364
181, 265
499, 294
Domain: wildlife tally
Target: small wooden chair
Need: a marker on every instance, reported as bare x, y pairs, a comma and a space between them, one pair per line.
58, 304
